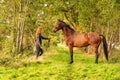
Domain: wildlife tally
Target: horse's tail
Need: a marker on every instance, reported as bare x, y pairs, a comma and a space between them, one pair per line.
105, 46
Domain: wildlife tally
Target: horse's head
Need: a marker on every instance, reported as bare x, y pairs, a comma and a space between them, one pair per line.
58, 26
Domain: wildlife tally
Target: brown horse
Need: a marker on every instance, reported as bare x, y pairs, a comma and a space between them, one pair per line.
75, 39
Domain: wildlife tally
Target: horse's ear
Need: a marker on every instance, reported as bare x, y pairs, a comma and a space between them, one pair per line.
59, 20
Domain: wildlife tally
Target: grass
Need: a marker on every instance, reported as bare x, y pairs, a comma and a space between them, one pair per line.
54, 66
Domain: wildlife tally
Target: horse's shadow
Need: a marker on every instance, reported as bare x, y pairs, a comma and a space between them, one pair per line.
69, 72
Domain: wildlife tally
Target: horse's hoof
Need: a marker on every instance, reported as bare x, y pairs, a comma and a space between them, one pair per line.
70, 62
96, 62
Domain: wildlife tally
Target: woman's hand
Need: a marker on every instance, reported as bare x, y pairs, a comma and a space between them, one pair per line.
49, 39
49, 42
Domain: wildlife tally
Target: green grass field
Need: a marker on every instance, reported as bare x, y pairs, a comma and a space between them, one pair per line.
54, 66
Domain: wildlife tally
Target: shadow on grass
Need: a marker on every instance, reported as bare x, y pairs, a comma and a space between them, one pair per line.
31, 63
69, 72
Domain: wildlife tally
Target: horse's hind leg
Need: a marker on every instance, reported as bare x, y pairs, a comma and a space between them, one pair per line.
95, 48
97, 56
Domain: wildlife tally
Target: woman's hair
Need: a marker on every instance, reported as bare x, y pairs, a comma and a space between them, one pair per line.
39, 30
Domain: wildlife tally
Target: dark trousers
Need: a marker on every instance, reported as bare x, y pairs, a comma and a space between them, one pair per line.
39, 51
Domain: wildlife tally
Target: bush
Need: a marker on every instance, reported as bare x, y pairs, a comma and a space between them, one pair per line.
114, 56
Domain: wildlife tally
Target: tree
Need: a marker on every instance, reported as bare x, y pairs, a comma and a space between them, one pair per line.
19, 20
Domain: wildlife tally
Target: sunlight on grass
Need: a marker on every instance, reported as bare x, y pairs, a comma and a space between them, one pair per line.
55, 67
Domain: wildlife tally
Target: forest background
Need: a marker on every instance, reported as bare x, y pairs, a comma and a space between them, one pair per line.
19, 20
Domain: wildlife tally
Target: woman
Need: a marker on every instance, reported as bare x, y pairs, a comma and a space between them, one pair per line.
38, 42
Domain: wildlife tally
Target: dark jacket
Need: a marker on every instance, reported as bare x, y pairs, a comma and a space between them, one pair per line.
38, 41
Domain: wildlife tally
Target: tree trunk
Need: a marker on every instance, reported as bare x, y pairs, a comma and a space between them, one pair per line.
20, 29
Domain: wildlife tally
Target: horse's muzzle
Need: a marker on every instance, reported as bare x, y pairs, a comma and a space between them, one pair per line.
54, 30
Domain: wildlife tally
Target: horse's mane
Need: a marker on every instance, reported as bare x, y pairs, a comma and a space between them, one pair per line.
68, 26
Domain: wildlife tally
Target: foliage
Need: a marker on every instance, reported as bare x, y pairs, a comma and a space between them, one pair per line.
19, 20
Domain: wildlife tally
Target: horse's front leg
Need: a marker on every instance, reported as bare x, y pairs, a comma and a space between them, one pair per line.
71, 54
